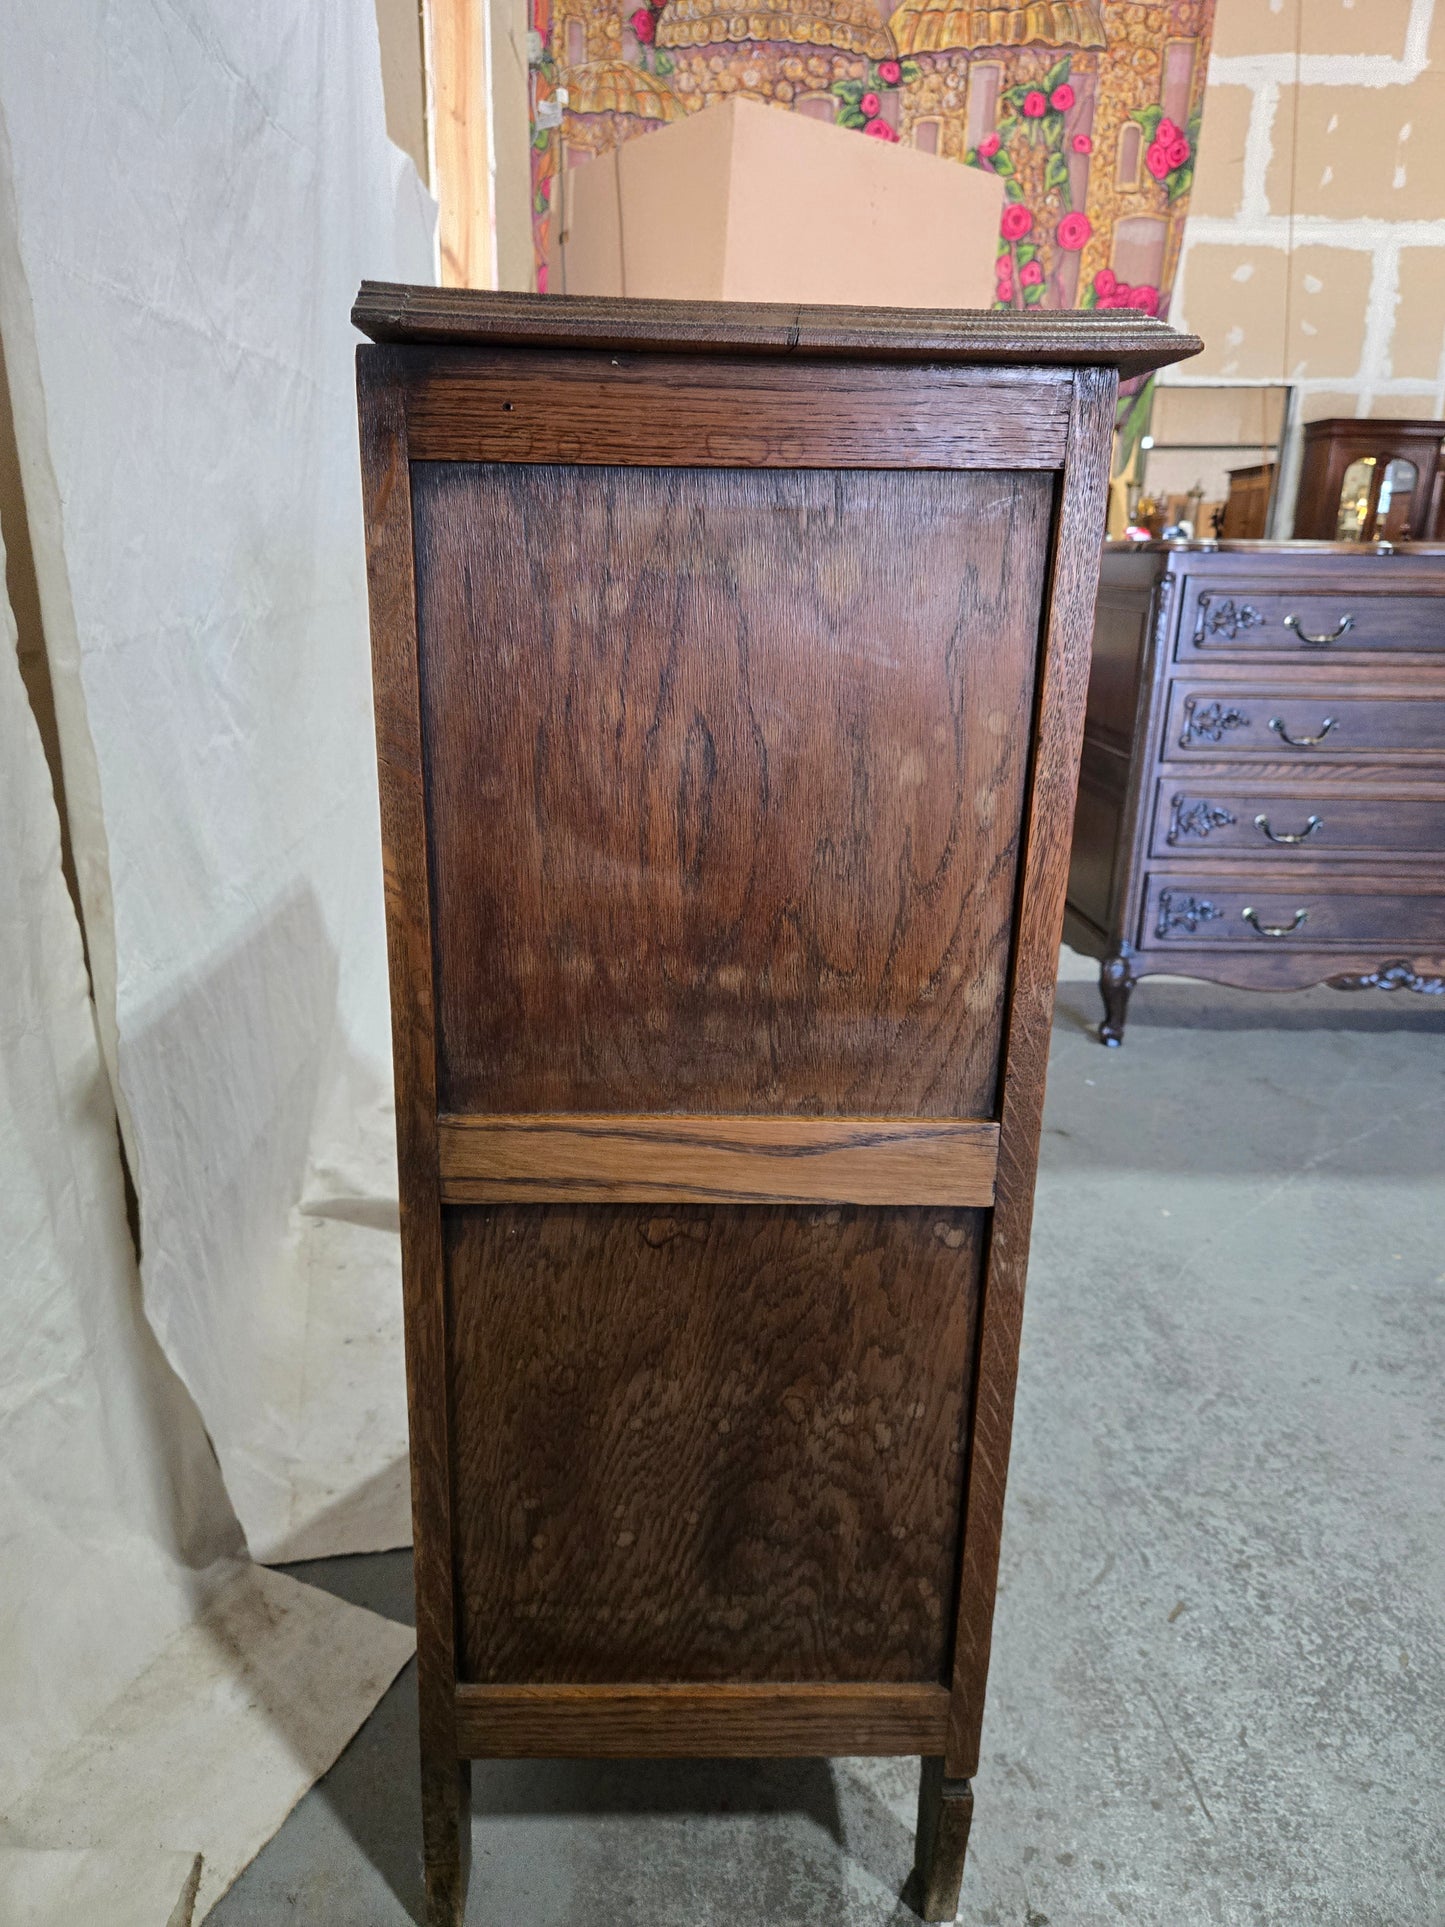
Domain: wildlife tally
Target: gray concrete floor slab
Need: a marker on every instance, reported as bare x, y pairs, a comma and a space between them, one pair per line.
1218, 1692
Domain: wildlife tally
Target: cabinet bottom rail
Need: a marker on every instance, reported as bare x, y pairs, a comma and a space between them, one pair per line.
784, 1721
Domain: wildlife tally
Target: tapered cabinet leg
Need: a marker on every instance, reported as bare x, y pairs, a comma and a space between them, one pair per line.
1116, 980
446, 1833
945, 1814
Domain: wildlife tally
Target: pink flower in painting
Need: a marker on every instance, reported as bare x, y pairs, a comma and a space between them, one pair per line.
1105, 282
1006, 291
869, 106
1003, 266
1081, 144
1166, 132
1035, 105
1016, 222
889, 72
1157, 161
1145, 299
1062, 98
989, 146
644, 25
1031, 274
1177, 153
1073, 231
880, 130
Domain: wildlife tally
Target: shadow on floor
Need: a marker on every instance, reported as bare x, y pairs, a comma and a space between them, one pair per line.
734, 1839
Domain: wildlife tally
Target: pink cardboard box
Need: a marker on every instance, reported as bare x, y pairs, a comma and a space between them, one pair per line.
744, 202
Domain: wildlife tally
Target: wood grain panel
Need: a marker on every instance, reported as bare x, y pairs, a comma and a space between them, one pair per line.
523, 407
708, 1443
699, 1722
741, 1160
725, 772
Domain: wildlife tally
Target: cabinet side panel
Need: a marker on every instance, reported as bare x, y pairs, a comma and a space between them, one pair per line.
725, 771
709, 1443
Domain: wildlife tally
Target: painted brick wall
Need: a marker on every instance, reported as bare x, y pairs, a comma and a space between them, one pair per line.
1314, 250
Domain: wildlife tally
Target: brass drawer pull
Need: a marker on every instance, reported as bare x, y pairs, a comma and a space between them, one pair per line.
1275, 929
1312, 823
1276, 723
1319, 642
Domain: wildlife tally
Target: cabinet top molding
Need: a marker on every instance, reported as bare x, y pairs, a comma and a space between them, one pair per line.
1133, 343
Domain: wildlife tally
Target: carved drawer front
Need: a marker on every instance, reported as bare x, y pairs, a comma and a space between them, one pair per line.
1293, 821
1313, 624
1282, 722
1273, 913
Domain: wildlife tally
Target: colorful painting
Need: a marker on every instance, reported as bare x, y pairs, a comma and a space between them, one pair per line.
1088, 110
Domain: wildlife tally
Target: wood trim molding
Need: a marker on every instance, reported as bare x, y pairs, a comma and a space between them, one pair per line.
665, 1159
391, 582
1048, 817
699, 1722
1130, 342
461, 119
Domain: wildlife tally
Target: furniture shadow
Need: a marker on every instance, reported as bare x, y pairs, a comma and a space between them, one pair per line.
713, 1838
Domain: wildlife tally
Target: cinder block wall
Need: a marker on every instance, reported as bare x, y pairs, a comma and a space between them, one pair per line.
1315, 244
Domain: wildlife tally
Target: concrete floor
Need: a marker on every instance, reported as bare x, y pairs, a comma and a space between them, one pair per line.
1218, 1690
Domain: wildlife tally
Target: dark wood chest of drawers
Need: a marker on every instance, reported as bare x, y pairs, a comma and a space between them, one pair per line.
730, 670
1262, 797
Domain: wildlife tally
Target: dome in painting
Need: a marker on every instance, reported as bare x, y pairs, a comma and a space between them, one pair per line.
615, 87
931, 26
851, 26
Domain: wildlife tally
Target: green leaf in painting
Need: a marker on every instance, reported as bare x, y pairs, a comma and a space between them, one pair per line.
849, 90
1034, 294
850, 117
539, 140
1057, 74
662, 62
1090, 300
1002, 165
1056, 172
911, 72
1025, 252
1180, 182
1149, 119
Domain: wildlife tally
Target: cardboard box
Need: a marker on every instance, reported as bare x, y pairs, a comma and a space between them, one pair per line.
744, 202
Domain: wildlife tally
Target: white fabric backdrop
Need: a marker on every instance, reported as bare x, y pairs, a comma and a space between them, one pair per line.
194, 192
162, 1699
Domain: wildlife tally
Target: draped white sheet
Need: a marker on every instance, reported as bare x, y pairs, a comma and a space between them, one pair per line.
163, 1698
189, 195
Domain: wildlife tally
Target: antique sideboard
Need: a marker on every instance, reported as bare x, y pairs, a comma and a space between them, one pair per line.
730, 667
1262, 796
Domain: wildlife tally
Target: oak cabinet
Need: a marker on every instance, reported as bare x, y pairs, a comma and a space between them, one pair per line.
730, 667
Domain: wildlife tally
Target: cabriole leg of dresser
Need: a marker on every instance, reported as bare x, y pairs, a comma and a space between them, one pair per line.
1116, 980
945, 1814
446, 1834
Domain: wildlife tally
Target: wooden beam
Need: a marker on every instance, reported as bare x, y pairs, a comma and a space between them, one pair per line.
665, 1159
698, 1722
460, 145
